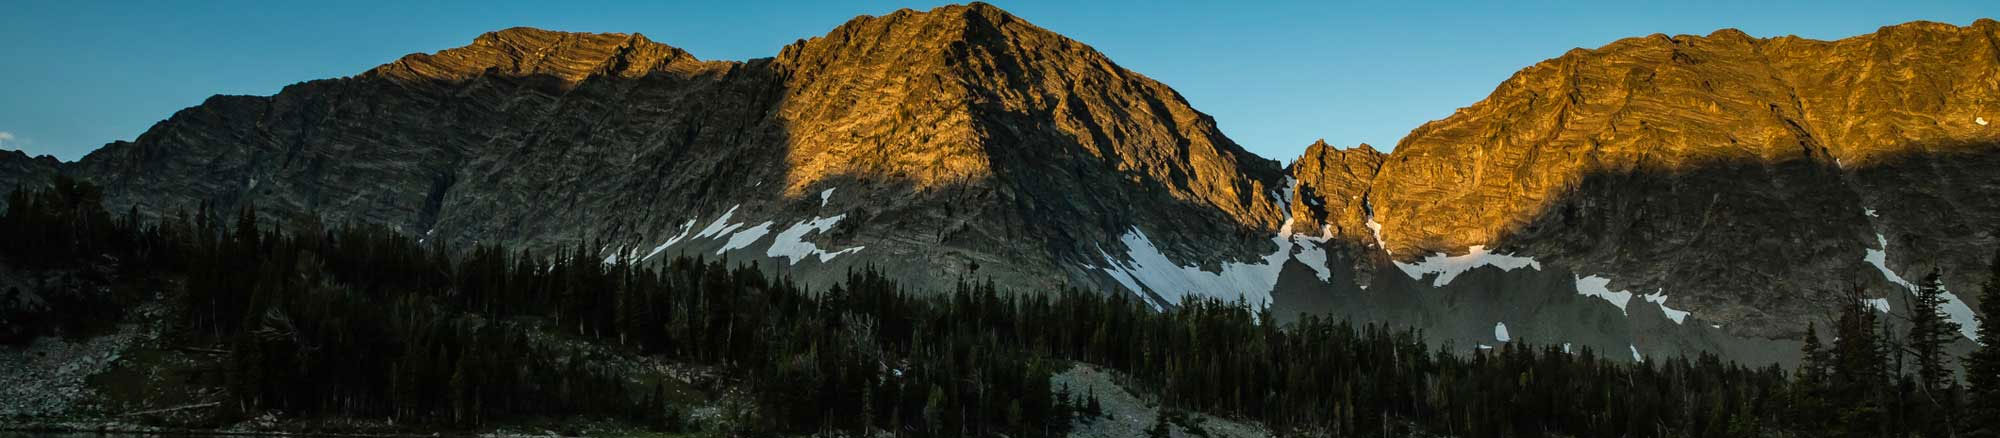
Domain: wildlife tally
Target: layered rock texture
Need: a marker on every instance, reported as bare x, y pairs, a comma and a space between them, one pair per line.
1658, 195
943, 142
1746, 178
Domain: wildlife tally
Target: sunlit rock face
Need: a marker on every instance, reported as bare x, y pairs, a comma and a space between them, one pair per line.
1733, 174
964, 142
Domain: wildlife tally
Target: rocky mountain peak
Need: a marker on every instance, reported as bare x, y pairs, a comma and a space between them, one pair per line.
946, 139
569, 57
1332, 190
963, 94
1715, 153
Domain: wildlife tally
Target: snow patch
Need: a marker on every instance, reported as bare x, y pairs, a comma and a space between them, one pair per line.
1880, 304
743, 239
627, 254
1500, 332
1596, 286
1879, 257
685, 228
1565, 347
721, 224
1312, 252
1146, 268
1377, 229
791, 243
1285, 198
1953, 307
1368, 208
1448, 267
1980, 120
1679, 316
1635, 354
825, 195
1960, 313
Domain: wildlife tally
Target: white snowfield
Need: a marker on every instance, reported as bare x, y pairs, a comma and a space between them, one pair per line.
685, 228
721, 224
1599, 287
1635, 354
1448, 267
1312, 251
1500, 332
1658, 298
1954, 308
1145, 268
1596, 286
743, 239
789, 244
1376, 227
1285, 199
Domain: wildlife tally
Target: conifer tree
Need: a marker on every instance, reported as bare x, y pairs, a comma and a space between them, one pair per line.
1930, 333
1808, 389
1859, 369
1982, 367
1928, 403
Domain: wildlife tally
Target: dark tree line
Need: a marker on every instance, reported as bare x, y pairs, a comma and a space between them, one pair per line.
362, 321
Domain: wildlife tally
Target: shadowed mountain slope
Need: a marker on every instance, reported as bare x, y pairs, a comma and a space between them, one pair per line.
940, 141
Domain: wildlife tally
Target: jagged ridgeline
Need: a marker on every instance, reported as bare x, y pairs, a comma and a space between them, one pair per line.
317, 322
1658, 196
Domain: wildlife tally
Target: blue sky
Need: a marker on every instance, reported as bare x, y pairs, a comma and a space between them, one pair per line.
1276, 75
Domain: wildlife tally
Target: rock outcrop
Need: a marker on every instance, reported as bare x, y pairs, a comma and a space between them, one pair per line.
1745, 178
941, 141
17, 168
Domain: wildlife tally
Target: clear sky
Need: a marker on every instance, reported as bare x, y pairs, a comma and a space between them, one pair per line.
1275, 75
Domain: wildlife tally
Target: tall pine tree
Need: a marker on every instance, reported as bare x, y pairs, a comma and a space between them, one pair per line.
1930, 332
1859, 369
1933, 406
1982, 367
1808, 390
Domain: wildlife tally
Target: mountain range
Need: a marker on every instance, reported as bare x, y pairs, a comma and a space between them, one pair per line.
1659, 195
